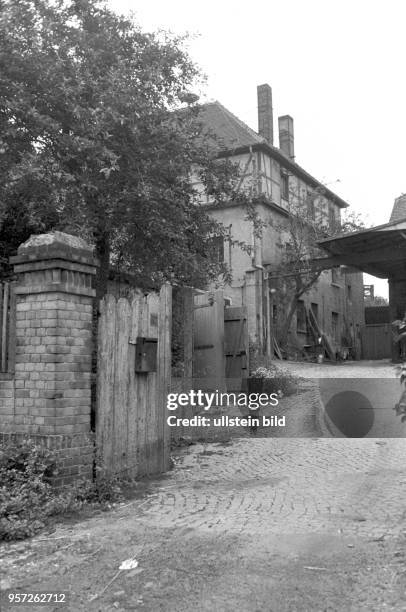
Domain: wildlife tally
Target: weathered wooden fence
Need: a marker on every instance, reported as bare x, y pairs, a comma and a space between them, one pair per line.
133, 379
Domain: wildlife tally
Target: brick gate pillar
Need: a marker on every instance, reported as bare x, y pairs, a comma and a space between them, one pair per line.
54, 343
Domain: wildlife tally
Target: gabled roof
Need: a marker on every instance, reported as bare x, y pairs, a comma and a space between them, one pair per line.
233, 136
231, 133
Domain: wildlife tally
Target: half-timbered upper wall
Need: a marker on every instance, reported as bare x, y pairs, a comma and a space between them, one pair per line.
285, 189
248, 181
260, 174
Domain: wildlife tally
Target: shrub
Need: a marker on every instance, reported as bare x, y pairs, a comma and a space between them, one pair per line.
400, 407
27, 499
275, 379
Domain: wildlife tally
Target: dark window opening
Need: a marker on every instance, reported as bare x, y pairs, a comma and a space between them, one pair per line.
332, 221
216, 249
274, 314
335, 275
315, 310
311, 209
334, 326
301, 317
284, 186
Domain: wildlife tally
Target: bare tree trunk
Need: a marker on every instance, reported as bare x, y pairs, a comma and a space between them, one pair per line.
286, 326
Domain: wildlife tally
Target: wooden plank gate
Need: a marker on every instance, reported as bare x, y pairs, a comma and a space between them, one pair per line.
133, 379
376, 341
208, 340
235, 345
220, 342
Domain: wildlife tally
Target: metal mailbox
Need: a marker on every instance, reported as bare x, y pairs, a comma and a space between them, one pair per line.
146, 354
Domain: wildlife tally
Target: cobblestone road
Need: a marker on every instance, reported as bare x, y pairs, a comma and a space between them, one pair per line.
271, 486
272, 524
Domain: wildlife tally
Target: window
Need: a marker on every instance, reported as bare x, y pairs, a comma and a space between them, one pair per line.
274, 314
335, 276
284, 185
315, 310
311, 208
216, 249
334, 326
332, 221
301, 317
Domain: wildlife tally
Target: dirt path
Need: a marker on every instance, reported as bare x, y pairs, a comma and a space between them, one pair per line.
260, 524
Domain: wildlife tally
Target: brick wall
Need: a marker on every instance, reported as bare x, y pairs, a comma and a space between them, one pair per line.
52, 372
7, 400
74, 453
49, 396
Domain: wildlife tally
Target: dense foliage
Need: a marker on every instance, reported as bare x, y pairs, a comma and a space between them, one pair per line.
100, 136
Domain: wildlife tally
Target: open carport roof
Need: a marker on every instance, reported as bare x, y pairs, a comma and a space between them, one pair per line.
380, 250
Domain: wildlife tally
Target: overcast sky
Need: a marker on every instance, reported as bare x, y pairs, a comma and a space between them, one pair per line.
338, 68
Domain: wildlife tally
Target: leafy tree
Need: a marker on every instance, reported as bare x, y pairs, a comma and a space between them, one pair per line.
296, 274
90, 142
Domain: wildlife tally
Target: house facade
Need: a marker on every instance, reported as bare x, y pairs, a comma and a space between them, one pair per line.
279, 185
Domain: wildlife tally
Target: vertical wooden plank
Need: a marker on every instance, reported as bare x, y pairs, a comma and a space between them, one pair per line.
186, 382
147, 409
141, 381
105, 383
154, 439
164, 369
219, 353
11, 352
133, 412
121, 382
4, 327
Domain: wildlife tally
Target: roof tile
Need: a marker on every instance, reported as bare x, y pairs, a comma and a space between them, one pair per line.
230, 131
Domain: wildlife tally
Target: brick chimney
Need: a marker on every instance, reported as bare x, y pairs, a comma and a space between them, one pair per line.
399, 208
265, 112
286, 137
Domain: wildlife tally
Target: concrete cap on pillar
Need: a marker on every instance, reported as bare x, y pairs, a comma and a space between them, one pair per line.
55, 245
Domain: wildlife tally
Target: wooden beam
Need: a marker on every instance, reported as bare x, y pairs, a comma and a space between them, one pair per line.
388, 254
